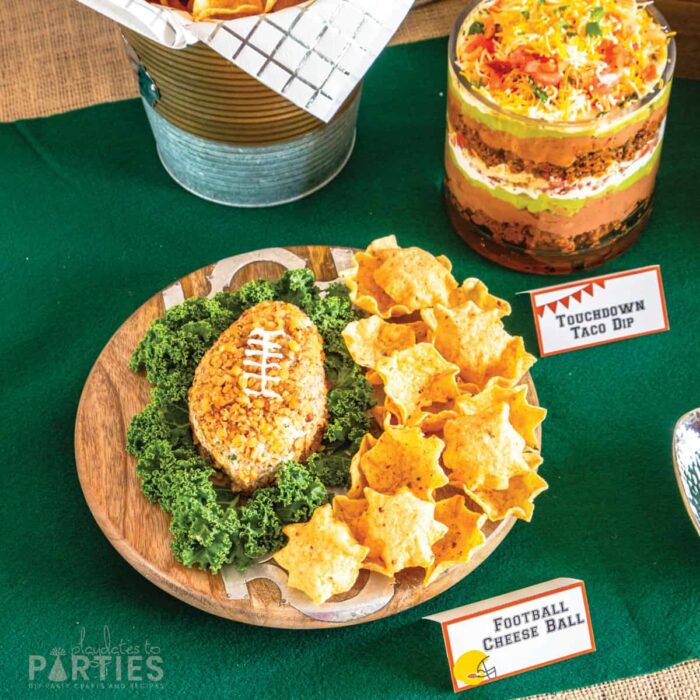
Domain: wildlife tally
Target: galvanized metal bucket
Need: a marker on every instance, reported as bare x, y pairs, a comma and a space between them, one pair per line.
227, 138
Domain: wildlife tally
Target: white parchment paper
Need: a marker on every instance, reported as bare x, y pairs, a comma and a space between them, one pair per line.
314, 54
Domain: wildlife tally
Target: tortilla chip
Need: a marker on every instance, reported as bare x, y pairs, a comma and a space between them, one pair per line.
365, 293
431, 423
478, 343
416, 377
225, 9
373, 378
380, 245
463, 536
524, 417
284, 4
390, 281
173, 4
476, 291
352, 512
402, 457
357, 479
420, 329
322, 557
402, 529
415, 279
371, 339
516, 500
484, 451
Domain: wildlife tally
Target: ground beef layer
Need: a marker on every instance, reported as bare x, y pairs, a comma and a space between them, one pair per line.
591, 164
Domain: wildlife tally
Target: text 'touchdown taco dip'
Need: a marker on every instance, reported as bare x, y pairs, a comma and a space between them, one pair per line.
556, 111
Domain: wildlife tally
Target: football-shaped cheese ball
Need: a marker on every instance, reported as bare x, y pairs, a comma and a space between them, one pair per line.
259, 394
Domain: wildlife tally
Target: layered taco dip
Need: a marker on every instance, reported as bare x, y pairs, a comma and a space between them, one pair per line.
556, 110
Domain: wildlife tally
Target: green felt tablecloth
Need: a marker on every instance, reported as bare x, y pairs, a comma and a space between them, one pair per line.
91, 227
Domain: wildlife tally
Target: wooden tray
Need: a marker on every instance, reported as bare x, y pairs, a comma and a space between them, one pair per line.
139, 530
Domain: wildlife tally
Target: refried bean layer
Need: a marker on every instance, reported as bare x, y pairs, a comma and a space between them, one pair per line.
529, 237
591, 164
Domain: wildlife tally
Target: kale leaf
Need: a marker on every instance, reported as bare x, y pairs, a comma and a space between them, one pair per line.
331, 468
250, 294
298, 287
174, 344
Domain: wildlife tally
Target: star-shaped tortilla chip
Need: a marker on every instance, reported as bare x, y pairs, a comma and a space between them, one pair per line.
515, 500
416, 377
402, 529
351, 511
478, 343
322, 557
371, 339
432, 419
403, 457
463, 536
524, 417
483, 451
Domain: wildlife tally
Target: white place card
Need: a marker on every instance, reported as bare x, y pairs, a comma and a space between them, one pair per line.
516, 632
599, 310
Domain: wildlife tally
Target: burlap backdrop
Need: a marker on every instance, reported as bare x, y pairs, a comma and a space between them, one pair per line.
59, 56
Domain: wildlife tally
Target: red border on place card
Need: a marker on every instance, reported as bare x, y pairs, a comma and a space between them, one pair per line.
616, 275
448, 646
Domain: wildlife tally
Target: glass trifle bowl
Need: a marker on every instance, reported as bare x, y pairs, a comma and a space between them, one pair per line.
555, 120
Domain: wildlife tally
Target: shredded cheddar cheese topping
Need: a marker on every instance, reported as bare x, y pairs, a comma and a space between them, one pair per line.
562, 60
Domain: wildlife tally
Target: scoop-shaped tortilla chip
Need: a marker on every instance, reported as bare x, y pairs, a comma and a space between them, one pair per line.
483, 451
478, 343
365, 293
379, 246
463, 536
403, 457
474, 290
415, 279
390, 281
401, 529
322, 557
416, 377
371, 339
